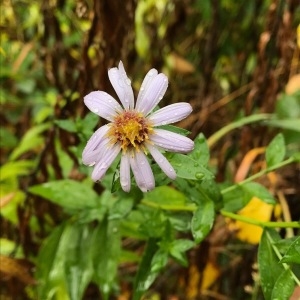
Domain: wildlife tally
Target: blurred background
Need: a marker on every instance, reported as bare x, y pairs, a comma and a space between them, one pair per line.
227, 58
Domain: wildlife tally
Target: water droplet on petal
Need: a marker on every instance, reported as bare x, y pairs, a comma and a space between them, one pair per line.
128, 81
95, 110
160, 97
91, 164
109, 100
151, 73
142, 88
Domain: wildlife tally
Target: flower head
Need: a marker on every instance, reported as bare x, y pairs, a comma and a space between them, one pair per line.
133, 129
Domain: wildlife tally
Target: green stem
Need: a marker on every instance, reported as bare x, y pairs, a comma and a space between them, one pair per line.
259, 174
248, 220
192, 208
246, 120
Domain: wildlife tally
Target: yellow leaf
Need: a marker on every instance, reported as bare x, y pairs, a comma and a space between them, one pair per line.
258, 210
210, 275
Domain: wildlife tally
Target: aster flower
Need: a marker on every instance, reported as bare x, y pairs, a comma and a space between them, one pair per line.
133, 131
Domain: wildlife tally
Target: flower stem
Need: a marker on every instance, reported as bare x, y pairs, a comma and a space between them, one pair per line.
193, 207
239, 123
259, 174
252, 221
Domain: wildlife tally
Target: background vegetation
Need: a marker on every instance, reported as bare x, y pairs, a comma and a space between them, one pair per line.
233, 235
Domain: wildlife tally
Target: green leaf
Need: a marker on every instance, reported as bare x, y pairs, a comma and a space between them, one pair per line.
78, 262
16, 168
234, 200
67, 193
166, 196
188, 168
292, 255
30, 140
65, 266
202, 220
178, 249
275, 152
68, 125
152, 259
284, 244
106, 258
284, 286
291, 124
288, 106
201, 151
175, 129
50, 265
268, 262
254, 189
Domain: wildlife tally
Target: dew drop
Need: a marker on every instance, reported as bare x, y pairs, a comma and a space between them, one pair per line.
196, 164
128, 81
142, 88
91, 164
160, 97
109, 100
151, 73
95, 110
176, 114
199, 175
165, 80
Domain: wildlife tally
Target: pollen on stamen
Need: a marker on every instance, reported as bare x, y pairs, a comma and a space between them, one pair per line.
131, 130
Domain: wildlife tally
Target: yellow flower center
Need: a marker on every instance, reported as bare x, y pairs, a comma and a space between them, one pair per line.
131, 129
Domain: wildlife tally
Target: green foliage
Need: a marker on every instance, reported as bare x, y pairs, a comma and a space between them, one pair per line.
81, 235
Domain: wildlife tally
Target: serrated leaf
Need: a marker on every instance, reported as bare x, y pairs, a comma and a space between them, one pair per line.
275, 152
254, 189
201, 151
67, 193
284, 286
234, 200
292, 255
188, 168
268, 262
165, 196
178, 249
202, 220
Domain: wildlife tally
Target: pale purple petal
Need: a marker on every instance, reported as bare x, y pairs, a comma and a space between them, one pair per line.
171, 141
125, 173
153, 94
145, 85
89, 153
170, 114
162, 161
142, 171
106, 160
122, 85
102, 104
